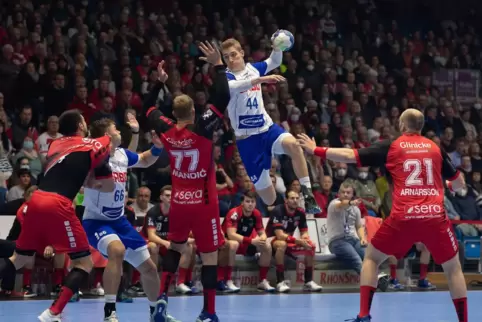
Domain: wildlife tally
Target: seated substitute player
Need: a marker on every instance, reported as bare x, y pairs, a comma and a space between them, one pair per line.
245, 234
50, 219
155, 231
282, 224
194, 202
108, 229
257, 137
415, 166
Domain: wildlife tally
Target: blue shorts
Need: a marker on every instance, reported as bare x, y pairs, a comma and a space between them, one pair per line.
102, 232
257, 150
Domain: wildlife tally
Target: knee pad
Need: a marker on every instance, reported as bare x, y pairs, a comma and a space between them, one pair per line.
209, 276
74, 279
170, 262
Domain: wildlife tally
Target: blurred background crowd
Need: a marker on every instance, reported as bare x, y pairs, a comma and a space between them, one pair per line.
355, 66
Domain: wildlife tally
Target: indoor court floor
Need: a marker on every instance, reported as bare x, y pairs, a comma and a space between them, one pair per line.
387, 307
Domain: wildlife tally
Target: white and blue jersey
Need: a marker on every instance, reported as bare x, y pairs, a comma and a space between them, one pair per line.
104, 219
249, 119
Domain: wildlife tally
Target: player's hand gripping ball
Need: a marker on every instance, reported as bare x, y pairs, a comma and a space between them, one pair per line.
283, 40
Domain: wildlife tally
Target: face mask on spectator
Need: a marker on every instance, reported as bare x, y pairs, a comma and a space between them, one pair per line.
28, 145
363, 175
462, 192
416, 61
295, 118
477, 106
310, 67
270, 107
300, 85
341, 172
325, 100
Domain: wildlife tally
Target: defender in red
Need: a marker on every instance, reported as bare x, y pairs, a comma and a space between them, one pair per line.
415, 166
194, 199
49, 217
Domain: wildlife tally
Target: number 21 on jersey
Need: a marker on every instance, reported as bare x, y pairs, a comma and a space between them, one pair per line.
415, 167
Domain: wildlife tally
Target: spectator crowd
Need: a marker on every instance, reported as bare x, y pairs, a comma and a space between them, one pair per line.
352, 71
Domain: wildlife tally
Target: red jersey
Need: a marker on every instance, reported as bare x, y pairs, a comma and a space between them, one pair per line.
244, 224
21, 213
415, 166
191, 157
72, 158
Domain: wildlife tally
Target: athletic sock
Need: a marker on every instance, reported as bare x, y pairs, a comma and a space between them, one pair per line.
393, 272
263, 273
461, 309
423, 271
72, 284
109, 306
366, 297
229, 273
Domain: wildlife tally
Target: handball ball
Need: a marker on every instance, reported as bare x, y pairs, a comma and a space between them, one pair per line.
283, 40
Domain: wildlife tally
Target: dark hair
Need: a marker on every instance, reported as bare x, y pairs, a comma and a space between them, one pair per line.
165, 188
69, 122
288, 192
4, 138
99, 127
249, 194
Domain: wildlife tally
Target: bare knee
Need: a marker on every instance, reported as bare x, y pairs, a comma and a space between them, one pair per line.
266, 248
153, 248
290, 146
232, 246
280, 246
452, 265
181, 248
116, 251
147, 268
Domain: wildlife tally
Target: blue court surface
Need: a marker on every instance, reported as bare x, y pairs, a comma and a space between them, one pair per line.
387, 307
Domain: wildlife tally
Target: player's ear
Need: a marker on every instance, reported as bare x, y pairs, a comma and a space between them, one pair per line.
242, 53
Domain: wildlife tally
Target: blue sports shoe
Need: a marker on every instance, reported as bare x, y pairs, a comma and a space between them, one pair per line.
395, 285
160, 311
206, 317
426, 285
359, 319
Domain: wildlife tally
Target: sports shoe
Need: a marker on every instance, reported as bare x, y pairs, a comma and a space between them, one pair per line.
359, 319
311, 206
383, 281
222, 287
136, 290
124, 298
183, 289
311, 286
282, 287
265, 286
75, 298
28, 292
111, 318
98, 290
394, 285
47, 316
206, 317
231, 287
160, 312
426, 285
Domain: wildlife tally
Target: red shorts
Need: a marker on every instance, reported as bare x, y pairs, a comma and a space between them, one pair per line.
295, 250
396, 237
50, 220
202, 220
247, 250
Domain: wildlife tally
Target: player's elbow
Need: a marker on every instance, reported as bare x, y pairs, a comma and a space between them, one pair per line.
458, 183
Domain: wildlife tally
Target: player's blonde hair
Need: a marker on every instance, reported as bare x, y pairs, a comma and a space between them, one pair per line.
231, 42
182, 107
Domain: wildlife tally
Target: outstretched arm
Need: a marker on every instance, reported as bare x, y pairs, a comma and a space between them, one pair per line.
146, 158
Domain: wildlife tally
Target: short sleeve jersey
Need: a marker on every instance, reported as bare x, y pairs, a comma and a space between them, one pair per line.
281, 218
245, 225
416, 167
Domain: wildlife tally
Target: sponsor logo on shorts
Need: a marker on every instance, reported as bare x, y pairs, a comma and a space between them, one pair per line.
184, 143
190, 175
188, 197
70, 234
251, 121
453, 240
214, 227
425, 209
419, 192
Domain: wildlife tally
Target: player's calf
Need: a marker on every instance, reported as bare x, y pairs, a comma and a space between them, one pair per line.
457, 286
226, 261
279, 248
310, 285
112, 277
184, 279
266, 252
